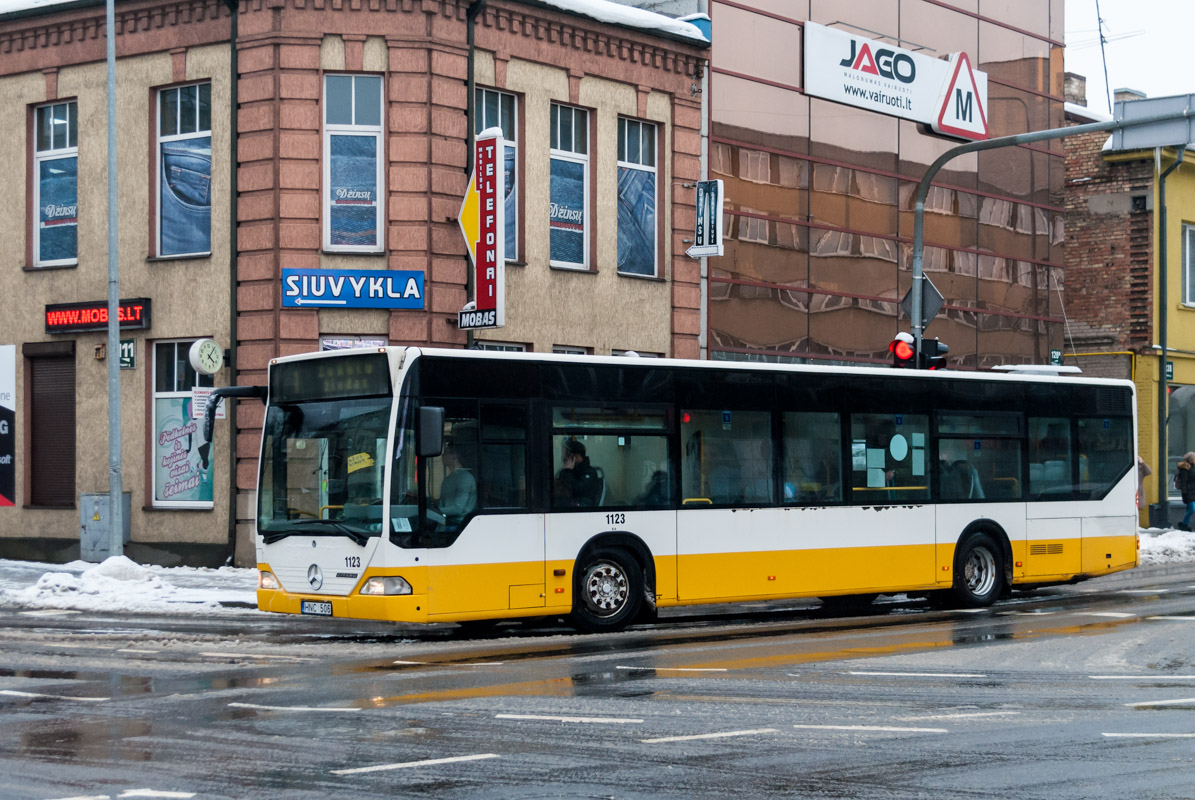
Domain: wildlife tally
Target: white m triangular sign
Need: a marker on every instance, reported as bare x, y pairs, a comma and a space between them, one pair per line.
963, 112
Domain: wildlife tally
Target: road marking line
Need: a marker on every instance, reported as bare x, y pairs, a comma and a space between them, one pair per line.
132, 650
724, 735
1025, 613
431, 762
15, 693
876, 728
1142, 677
1180, 702
1112, 614
674, 669
1144, 591
1179, 619
434, 664
1149, 735
257, 707
970, 610
86, 797
49, 612
155, 793
255, 655
594, 720
962, 716
920, 674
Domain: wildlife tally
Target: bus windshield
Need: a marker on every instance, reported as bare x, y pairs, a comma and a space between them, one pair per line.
322, 468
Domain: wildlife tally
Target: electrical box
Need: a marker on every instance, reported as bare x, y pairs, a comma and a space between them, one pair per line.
95, 521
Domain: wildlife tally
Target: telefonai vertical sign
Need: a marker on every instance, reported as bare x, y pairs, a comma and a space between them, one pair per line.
482, 221
8, 421
949, 96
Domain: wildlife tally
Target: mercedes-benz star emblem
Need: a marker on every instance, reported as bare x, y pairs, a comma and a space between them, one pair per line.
315, 577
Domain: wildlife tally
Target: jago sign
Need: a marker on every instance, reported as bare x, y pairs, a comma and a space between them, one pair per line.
947, 95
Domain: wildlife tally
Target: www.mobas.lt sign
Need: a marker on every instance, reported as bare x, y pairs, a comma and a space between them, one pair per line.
949, 95
483, 223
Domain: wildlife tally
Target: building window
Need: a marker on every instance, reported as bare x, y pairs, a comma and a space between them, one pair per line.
568, 216
636, 197
353, 163
1189, 265
55, 185
569, 350
185, 170
182, 468
498, 110
502, 347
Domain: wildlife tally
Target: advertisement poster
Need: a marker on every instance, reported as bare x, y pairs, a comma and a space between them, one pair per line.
182, 473
636, 221
353, 187
509, 161
186, 196
58, 212
566, 214
8, 421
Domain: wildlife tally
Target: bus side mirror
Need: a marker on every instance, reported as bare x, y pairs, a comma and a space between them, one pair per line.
431, 431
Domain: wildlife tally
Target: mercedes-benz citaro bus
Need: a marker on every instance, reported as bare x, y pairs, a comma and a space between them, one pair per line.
422, 485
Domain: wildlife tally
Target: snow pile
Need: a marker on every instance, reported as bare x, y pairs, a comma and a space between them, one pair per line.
120, 584
1166, 547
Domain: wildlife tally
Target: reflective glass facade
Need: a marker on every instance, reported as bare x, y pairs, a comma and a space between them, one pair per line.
819, 195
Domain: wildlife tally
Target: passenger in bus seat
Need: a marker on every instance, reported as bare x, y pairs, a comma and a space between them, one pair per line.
578, 483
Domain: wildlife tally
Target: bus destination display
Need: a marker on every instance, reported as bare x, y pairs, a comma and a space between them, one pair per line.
365, 375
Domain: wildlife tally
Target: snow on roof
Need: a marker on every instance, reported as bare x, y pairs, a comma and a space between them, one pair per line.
627, 16
1085, 113
600, 10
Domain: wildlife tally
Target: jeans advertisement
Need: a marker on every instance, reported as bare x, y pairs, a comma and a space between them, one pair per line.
186, 197
353, 191
512, 207
566, 215
180, 472
636, 221
58, 212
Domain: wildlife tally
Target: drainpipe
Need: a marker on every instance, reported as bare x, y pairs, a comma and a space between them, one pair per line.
1161, 511
234, 8
471, 15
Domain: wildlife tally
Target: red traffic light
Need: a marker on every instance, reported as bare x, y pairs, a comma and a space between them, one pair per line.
902, 350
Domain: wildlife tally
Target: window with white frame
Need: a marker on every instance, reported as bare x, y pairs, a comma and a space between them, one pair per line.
502, 347
182, 460
568, 215
184, 171
1189, 265
56, 185
569, 350
353, 179
498, 110
636, 197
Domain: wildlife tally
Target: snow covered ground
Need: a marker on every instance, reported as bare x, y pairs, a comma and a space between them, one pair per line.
119, 584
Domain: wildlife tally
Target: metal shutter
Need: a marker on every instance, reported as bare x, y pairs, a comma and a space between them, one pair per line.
52, 432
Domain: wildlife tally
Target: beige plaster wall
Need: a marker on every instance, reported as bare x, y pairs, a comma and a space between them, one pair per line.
601, 309
190, 296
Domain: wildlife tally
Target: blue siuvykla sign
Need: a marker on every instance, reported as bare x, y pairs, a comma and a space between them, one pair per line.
352, 288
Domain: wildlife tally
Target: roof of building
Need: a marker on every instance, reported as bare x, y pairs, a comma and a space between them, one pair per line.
601, 10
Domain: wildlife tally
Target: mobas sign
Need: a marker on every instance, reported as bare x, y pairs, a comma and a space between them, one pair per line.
93, 315
948, 95
482, 220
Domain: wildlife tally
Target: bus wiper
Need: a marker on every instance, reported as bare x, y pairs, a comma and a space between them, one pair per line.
327, 526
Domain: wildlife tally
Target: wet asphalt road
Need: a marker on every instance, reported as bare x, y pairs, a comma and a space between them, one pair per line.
1082, 692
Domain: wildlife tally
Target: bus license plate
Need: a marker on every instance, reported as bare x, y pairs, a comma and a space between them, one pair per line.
316, 607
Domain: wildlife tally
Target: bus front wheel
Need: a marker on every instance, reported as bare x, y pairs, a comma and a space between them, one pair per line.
608, 591
978, 572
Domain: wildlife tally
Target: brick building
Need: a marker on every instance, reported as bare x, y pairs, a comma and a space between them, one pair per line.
1115, 268
272, 138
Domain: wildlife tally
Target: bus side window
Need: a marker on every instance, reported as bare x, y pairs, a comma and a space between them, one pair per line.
1050, 449
1105, 454
503, 456
726, 457
889, 458
812, 458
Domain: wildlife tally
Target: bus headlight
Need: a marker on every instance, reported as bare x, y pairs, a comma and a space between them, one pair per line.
392, 585
266, 580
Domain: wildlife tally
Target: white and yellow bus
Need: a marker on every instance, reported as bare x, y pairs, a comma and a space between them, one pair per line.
422, 485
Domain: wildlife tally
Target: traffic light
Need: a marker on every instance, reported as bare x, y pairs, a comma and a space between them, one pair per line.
903, 353
933, 354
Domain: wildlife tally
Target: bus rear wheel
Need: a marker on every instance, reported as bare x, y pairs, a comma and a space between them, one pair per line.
978, 572
608, 591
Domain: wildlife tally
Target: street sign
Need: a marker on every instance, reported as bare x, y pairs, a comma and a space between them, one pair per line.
962, 113
1168, 133
128, 354
482, 221
707, 237
1056, 358
351, 288
1169, 370
931, 303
